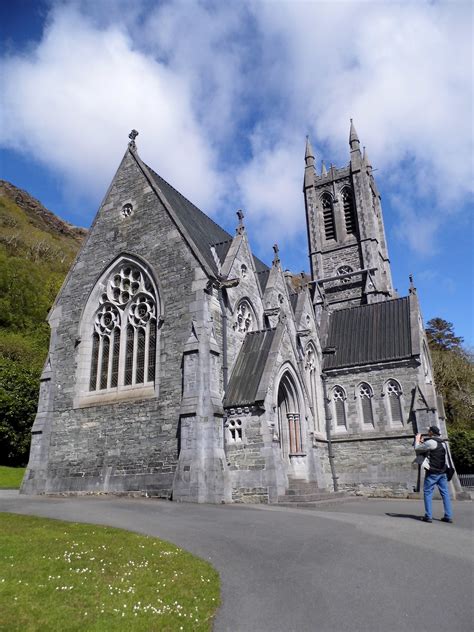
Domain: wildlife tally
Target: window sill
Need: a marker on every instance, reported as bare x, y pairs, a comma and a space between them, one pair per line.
111, 396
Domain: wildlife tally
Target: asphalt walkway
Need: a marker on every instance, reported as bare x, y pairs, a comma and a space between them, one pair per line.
353, 565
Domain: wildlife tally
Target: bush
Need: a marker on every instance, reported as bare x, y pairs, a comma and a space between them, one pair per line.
19, 387
461, 442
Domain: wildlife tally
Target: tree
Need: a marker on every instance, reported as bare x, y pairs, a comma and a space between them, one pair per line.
453, 373
440, 335
19, 386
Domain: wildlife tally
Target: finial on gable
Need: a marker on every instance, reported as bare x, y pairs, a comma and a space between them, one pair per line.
412, 288
324, 171
133, 134
240, 228
276, 257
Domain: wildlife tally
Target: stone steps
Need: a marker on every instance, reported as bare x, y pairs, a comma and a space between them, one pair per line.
304, 493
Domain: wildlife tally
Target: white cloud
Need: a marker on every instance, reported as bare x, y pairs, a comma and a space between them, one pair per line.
402, 71
224, 93
73, 101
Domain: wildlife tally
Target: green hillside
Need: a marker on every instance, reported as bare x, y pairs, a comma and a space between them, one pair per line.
36, 251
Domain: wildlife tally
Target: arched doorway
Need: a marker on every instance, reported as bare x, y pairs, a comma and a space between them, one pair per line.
289, 420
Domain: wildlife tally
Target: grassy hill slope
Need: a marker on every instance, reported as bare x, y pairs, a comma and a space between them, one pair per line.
36, 251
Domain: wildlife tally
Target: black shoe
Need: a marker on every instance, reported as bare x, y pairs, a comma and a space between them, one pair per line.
446, 519
426, 519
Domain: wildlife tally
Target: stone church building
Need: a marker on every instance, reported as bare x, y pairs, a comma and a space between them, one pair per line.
181, 366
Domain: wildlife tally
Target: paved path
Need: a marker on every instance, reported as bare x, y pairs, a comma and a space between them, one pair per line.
357, 565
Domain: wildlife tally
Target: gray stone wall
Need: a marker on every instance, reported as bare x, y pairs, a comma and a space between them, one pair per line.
380, 467
128, 445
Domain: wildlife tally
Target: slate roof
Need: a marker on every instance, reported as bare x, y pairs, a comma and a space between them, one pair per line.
201, 228
370, 333
248, 369
294, 301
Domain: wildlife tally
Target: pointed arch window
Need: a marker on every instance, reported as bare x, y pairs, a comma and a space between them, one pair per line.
245, 319
339, 401
394, 393
328, 216
349, 211
124, 331
366, 395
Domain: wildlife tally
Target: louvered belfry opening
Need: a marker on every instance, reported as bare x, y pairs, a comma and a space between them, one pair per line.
289, 417
349, 211
328, 217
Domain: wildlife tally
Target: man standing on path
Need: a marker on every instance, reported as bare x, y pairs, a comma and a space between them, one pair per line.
435, 466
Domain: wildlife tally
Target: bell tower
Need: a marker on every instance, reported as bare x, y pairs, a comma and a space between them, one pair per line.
347, 246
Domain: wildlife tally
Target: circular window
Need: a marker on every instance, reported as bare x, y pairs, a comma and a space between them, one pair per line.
127, 210
345, 270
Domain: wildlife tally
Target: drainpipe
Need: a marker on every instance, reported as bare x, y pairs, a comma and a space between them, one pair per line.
327, 410
225, 368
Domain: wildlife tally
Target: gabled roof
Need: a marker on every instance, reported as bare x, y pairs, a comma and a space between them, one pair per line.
262, 277
248, 369
202, 229
368, 334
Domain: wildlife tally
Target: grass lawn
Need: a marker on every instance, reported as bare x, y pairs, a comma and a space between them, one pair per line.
11, 477
66, 576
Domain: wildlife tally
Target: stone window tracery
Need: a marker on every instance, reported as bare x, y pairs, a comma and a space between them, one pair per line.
235, 430
365, 395
127, 210
343, 270
394, 393
245, 317
339, 401
124, 331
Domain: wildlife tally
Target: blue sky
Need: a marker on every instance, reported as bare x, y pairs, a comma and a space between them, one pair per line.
223, 95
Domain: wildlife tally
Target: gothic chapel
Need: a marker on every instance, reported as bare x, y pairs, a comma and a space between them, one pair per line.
183, 367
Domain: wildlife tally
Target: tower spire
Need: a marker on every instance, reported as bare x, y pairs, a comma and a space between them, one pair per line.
309, 154
353, 138
366, 159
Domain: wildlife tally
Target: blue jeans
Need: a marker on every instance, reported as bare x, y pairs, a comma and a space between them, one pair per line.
431, 480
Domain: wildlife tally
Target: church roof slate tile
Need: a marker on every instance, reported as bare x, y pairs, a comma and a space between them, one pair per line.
368, 334
203, 230
248, 369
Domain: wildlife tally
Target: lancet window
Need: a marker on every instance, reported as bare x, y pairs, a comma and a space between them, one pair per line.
339, 401
328, 217
394, 393
124, 331
349, 211
366, 395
